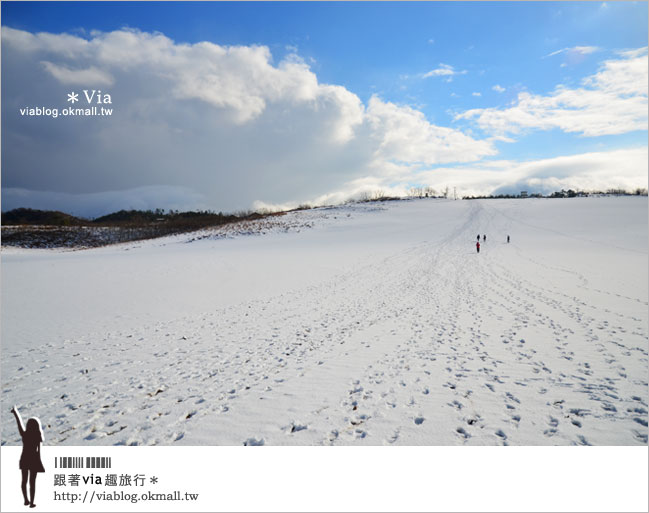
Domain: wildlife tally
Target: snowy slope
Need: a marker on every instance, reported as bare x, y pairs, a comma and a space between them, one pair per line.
369, 324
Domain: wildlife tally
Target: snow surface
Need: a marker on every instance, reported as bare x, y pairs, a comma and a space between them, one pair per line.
364, 324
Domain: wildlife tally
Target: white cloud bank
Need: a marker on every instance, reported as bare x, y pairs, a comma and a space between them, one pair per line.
597, 171
612, 101
588, 171
210, 126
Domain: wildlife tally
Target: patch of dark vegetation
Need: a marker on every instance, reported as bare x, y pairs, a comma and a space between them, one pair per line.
378, 195
29, 216
31, 228
27, 236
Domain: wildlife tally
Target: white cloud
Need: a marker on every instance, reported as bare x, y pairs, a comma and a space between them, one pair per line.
89, 77
240, 79
624, 77
476, 94
573, 55
575, 50
223, 120
64, 45
444, 70
498, 89
612, 101
405, 135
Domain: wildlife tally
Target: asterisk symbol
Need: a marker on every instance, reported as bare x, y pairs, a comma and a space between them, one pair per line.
73, 97
154, 480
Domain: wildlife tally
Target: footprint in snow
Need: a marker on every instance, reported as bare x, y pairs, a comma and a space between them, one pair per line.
456, 404
254, 442
641, 437
294, 427
394, 437
462, 432
359, 433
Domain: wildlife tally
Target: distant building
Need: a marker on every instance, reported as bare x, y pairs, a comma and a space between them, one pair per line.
523, 194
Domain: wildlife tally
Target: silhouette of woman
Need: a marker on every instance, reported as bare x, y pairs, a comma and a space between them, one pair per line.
30, 459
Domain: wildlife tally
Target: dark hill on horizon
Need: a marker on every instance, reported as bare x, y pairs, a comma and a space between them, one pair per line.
30, 216
33, 217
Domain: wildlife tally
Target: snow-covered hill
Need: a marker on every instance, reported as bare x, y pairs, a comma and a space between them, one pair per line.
368, 324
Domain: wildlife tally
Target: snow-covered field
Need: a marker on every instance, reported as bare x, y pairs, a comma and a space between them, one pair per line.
364, 324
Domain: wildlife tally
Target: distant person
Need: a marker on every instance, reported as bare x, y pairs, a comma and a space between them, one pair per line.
484, 238
507, 239
478, 237
30, 459
477, 247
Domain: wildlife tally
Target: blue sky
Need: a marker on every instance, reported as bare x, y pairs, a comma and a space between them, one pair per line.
439, 59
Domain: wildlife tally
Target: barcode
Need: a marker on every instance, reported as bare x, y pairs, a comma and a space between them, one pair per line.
81, 462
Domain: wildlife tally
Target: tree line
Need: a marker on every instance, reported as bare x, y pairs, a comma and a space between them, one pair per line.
570, 193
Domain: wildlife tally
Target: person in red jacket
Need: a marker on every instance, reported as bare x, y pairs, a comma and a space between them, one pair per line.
477, 247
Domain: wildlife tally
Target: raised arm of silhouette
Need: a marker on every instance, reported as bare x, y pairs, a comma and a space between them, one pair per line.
19, 421
30, 459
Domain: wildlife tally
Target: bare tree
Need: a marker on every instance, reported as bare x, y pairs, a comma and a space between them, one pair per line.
429, 192
378, 194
